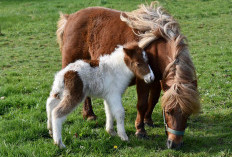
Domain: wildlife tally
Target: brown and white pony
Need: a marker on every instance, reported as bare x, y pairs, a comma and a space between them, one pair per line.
105, 78
94, 31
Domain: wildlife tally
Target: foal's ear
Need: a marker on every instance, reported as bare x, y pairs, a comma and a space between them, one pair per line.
129, 48
129, 52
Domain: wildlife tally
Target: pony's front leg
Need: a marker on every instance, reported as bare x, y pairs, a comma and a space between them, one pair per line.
152, 101
118, 112
109, 120
52, 102
142, 105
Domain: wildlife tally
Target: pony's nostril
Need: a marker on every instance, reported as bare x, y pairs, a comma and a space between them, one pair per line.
170, 144
173, 145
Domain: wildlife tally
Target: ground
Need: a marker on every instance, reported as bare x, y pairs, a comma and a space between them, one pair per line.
29, 58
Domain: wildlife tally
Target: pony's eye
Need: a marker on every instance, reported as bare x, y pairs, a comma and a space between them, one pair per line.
168, 113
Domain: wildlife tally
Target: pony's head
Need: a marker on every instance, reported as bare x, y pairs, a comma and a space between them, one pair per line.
179, 83
181, 97
169, 58
137, 61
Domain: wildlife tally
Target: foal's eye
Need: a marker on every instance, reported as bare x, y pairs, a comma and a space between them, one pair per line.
137, 63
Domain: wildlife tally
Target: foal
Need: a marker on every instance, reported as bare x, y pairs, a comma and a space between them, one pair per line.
105, 78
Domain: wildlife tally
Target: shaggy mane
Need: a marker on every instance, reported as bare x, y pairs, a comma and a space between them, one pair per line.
180, 75
146, 20
149, 22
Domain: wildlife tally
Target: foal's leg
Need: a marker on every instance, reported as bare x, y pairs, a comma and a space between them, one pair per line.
73, 95
52, 102
153, 99
115, 105
109, 120
143, 93
59, 114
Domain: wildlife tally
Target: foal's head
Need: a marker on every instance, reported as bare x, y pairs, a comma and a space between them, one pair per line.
137, 61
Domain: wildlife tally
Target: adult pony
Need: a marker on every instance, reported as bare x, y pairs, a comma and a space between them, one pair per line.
94, 31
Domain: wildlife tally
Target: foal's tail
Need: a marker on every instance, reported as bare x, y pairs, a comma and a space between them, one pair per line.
60, 28
58, 84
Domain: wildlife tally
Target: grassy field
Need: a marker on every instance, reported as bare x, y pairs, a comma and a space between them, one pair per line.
29, 57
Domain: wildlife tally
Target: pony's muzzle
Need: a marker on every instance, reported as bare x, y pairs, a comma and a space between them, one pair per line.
150, 77
172, 145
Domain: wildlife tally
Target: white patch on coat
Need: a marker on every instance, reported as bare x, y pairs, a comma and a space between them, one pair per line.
145, 56
150, 77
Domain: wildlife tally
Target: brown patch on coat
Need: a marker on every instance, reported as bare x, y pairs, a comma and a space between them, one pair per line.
92, 63
73, 93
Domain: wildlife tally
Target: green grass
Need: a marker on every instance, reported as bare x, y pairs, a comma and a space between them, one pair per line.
29, 57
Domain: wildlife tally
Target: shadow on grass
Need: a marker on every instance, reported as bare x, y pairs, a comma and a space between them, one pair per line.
203, 135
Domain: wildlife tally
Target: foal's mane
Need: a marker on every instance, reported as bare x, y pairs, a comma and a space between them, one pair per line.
151, 22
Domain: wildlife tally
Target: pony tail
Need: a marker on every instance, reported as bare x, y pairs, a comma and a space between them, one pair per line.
60, 28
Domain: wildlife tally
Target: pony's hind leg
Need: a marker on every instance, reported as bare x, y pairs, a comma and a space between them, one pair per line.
87, 110
109, 120
73, 95
52, 102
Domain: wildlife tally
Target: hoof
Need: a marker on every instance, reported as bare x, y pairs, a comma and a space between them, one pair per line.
93, 117
90, 116
124, 138
141, 134
149, 123
111, 132
60, 144
50, 133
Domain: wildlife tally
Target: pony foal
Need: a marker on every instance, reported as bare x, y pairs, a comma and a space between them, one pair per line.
105, 78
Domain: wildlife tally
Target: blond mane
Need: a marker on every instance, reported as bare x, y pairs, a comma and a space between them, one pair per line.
180, 75
180, 72
147, 20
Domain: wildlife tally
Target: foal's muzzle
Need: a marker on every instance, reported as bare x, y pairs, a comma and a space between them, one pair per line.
150, 77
